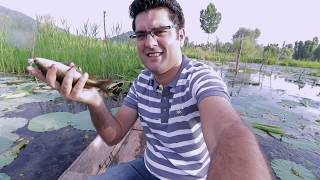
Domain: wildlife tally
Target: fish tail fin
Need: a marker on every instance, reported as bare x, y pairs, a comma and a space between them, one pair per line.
104, 85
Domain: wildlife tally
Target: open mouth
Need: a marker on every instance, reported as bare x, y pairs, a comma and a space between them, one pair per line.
154, 54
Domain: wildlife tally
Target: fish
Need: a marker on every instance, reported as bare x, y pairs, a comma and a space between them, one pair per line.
44, 64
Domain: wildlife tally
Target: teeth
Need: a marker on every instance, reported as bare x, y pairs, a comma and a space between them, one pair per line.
154, 54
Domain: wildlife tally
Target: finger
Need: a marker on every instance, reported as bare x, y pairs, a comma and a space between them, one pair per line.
51, 77
36, 73
80, 85
66, 85
71, 64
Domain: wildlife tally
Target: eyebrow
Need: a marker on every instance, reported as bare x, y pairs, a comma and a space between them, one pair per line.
141, 31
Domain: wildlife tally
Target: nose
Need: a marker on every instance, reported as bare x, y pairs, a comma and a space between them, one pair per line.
151, 40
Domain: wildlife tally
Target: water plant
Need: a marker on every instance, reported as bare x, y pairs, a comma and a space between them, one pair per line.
286, 170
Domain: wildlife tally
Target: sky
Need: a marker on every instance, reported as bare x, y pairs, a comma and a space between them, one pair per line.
278, 20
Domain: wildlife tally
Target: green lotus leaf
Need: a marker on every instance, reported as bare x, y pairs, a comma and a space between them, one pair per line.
307, 144
7, 104
5, 144
14, 95
4, 176
8, 125
22, 90
288, 170
58, 120
8, 156
50, 121
82, 121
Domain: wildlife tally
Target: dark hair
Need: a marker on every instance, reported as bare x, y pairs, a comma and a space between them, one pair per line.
175, 11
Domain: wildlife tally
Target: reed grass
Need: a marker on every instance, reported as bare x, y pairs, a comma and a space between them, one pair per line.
101, 59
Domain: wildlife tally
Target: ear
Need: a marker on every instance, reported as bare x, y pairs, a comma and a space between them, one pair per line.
181, 36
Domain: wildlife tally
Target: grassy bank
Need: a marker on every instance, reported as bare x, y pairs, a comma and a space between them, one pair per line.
199, 53
104, 60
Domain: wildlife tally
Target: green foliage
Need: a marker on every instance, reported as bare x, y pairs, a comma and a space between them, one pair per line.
300, 63
307, 49
288, 170
269, 128
247, 33
316, 53
9, 125
210, 19
58, 120
8, 156
249, 44
101, 59
199, 53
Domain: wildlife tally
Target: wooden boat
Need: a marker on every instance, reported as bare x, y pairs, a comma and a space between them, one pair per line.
98, 156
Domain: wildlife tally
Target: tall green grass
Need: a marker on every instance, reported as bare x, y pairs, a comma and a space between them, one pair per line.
101, 59
199, 53
11, 59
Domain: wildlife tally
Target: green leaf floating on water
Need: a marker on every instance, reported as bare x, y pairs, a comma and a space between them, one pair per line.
21, 91
7, 126
8, 156
269, 128
58, 120
4, 176
5, 143
303, 143
288, 170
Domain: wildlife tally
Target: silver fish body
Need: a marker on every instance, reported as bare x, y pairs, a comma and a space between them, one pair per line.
44, 64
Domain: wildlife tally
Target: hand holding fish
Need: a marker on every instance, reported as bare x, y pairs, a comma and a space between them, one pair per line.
71, 84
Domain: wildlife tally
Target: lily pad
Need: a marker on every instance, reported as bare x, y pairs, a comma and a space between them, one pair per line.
8, 156
58, 120
21, 91
52, 121
288, 170
306, 144
5, 143
4, 176
8, 125
14, 95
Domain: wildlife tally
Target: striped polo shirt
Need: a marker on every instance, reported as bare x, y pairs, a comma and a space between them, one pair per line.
171, 120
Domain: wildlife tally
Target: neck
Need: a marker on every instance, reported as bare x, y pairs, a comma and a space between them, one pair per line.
168, 76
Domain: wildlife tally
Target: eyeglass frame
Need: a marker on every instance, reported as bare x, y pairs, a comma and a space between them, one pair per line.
153, 32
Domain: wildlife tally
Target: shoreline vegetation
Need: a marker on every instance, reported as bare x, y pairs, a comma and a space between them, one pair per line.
112, 59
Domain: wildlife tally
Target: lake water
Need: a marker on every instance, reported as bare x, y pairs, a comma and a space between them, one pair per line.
46, 133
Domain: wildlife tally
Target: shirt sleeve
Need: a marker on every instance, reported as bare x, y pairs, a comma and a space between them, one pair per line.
131, 99
206, 83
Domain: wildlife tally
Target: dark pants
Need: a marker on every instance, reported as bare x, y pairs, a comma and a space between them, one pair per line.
132, 170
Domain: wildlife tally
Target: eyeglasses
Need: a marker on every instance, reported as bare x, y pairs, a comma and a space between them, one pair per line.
158, 32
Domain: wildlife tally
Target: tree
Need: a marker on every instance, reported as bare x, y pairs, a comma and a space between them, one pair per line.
210, 19
306, 49
247, 33
248, 38
316, 53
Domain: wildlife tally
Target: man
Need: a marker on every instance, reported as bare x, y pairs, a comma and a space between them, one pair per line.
191, 128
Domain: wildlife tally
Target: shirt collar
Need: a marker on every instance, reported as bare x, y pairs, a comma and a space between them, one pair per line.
173, 83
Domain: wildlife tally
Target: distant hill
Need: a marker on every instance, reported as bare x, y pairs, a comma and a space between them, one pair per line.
122, 37
19, 27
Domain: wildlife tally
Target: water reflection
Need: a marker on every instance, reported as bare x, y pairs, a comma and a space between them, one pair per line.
292, 86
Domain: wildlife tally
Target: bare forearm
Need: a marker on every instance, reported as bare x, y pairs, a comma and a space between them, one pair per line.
106, 125
238, 156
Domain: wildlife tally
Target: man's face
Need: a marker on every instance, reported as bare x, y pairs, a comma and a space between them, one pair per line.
159, 52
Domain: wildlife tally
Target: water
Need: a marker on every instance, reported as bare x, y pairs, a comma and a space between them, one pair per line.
281, 96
